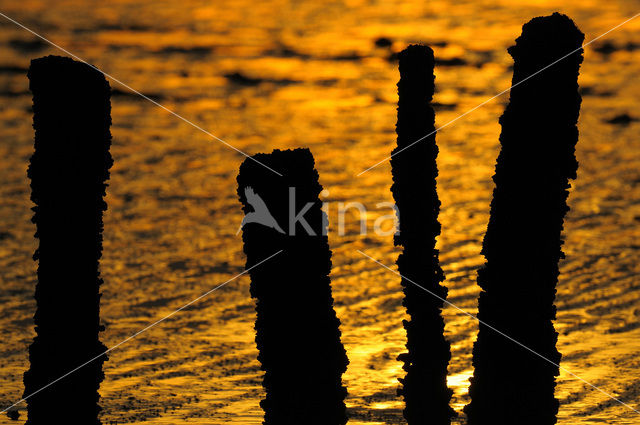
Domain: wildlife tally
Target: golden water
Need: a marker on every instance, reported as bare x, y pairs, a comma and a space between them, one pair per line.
173, 211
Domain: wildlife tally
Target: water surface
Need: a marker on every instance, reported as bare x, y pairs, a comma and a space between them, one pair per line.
283, 74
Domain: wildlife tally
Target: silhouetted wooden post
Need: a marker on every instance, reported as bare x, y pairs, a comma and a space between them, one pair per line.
424, 387
523, 242
68, 171
298, 334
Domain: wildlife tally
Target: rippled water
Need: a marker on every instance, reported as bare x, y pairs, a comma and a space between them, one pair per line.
282, 74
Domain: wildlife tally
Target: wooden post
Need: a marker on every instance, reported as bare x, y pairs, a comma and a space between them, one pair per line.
68, 171
523, 242
298, 334
424, 387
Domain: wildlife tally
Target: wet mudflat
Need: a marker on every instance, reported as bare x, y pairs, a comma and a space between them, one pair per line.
278, 75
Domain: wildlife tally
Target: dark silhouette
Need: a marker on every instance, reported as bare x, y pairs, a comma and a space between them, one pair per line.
298, 334
424, 387
68, 171
523, 242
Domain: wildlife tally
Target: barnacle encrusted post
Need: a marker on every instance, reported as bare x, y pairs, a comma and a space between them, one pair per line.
414, 169
523, 242
68, 171
297, 331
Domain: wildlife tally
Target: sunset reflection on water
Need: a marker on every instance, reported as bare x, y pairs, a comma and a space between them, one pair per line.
280, 74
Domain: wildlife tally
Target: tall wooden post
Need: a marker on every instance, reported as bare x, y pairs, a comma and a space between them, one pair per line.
424, 387
523, 242
68, 171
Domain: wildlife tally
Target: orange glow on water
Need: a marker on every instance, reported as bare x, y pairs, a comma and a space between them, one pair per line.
319, 81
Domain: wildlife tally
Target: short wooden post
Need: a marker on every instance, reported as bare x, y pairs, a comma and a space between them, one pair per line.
298, 334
